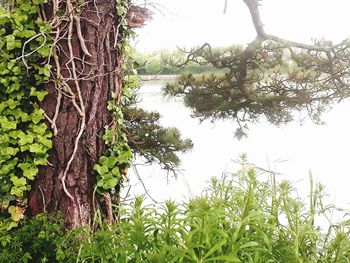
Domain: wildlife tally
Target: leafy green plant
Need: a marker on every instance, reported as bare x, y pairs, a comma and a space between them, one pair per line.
117, 158
35, 241
239, 218
111, 167
24, 138
247, 216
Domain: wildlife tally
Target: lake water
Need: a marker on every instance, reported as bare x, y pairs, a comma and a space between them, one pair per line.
293, 150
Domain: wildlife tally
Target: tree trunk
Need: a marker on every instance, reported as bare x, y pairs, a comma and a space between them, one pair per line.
76, 106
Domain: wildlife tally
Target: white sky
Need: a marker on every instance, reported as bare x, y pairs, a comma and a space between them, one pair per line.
193, 22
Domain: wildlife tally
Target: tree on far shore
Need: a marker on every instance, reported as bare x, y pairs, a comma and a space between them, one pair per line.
270, 77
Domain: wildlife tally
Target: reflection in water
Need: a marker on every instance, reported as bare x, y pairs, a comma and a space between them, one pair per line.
292, 150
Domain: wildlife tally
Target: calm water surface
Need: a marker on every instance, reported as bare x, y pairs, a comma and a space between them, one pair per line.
292, 150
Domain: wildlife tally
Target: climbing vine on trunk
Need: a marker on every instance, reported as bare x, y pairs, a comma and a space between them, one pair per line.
61, 69
25, 140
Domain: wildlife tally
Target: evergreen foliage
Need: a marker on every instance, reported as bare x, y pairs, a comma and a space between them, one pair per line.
153, 142
270, 78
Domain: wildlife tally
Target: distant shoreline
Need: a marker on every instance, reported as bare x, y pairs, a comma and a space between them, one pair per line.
157, 77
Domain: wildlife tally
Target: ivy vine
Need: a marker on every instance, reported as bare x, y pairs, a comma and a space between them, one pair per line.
113, 165
117, 158
25, 139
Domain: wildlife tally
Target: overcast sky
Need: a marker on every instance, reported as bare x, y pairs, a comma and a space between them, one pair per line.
193, 22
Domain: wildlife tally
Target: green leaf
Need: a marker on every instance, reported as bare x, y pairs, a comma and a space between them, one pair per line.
29, 170
25, 139
45, 70
24, 148
37, 115
44, 141
45, 52
216, 247
39, 129
4, 14
7, 168
3, 106
120, 10
40, 160
100, 169
115, 172
10, 42
125, 157
249, 244
16, 212
11, 225
7, 125
37, 148
15, 134
12, 103
225, 259
8, 151
107, 182
110, 162
18, 181
39, 94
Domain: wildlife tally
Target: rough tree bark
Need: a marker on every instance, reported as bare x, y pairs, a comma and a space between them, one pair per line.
85, 81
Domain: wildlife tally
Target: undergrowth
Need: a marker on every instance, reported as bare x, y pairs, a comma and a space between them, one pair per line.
242, 217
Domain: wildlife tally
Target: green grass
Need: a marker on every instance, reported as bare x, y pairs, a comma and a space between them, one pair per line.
245, 217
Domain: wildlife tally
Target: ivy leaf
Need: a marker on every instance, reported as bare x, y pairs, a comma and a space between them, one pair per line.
45, 52
10, 42
39, 129
6, 169
37, 148
115, 172
44, 141
37, 115
7, 125
107, 182
8, 151
40, 160
24, 148
16, 212
18, 181
39, 94
18, 191
120, 10
25, 139
3, 105
4, 138
12, 88
45, 70
125, 156
110, 162
29, 170
12, 103
18, 114
101, 169
4, 13
15, 134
